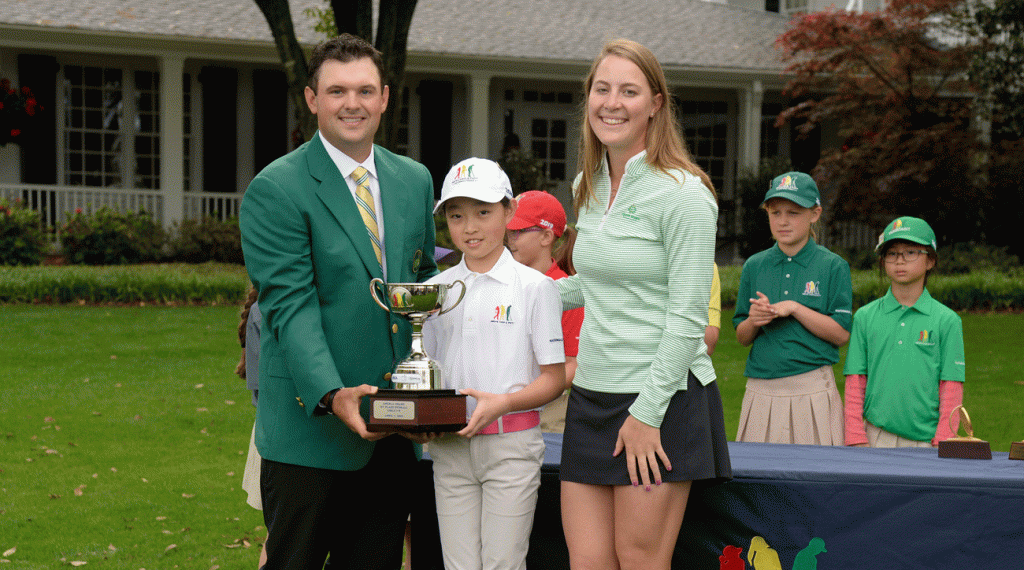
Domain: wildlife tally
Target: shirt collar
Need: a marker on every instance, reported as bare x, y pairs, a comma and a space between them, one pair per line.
345, 163
802, 257
635, 165
923, 305
503, 270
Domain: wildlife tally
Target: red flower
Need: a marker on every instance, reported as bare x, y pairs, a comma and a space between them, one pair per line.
15, 132
78, 210
25, 90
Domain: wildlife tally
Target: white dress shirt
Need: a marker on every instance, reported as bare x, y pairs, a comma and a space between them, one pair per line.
346, 165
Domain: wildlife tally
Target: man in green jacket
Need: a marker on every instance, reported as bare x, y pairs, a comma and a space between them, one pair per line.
317, 225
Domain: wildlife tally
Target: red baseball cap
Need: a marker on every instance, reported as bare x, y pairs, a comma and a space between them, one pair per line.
537, 208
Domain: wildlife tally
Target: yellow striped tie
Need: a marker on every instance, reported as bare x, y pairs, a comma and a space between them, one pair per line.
364, 200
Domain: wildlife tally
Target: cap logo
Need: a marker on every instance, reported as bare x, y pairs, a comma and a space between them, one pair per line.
546, 224
787, 183
464, 173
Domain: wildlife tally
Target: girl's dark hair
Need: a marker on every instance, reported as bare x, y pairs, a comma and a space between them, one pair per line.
888, 245
250, 298
563, 255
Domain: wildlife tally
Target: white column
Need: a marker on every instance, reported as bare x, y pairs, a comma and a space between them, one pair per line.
245, 113
172, 148
749, 127
479, 109
748, 149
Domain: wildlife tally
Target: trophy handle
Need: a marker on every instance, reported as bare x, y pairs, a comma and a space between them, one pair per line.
373, 291
457, 301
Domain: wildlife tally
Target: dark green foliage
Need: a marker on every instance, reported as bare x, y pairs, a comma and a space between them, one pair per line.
524, 171
969, 257
208, 239
108, 237
755, 235
22, 239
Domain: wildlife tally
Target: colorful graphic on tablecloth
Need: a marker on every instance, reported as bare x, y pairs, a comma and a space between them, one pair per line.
763, 557
730, 559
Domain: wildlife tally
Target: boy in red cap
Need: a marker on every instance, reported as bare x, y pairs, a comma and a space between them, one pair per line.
538, 222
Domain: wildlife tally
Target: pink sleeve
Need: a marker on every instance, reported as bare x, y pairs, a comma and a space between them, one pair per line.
951, 395
856, 384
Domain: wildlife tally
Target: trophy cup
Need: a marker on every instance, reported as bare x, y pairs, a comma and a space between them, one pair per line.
418, 404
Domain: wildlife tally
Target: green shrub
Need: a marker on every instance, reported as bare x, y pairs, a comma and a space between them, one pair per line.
22, 239
968, 257
209, 283
108, 237
208, 239
983, 290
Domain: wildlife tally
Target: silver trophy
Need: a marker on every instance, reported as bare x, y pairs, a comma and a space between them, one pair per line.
418, 402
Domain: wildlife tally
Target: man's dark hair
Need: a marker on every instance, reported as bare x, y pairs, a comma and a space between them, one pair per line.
344, 48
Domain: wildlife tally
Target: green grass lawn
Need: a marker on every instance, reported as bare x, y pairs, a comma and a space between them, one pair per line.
123, 431
124, 434
993, 393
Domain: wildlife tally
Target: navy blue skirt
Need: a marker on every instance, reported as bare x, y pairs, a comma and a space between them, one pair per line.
692, 434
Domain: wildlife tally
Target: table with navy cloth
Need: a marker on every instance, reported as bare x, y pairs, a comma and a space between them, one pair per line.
871, 508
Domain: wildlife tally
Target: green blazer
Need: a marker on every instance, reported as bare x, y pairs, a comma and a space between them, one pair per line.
308, 253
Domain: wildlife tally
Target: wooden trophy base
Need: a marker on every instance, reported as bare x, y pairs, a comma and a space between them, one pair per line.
965, 449
417, 411
1017, 450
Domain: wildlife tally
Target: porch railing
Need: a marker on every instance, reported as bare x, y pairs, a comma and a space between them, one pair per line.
54, 203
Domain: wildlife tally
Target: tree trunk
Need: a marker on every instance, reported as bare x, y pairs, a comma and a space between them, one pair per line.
354, 17
293, 60
393, 25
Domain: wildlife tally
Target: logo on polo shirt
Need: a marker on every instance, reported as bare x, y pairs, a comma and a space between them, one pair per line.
924, 339
811, 289
502, 314
630, 213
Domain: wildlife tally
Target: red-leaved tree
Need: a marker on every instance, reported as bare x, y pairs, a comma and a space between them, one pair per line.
895, 84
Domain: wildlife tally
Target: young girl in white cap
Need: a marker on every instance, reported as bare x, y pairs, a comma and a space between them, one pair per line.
502, 347
794, 306
905, 367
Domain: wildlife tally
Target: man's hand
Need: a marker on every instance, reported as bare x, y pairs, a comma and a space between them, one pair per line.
346, 407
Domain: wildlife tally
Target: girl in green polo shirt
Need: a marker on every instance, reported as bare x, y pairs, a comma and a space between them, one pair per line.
794, 306
905, 367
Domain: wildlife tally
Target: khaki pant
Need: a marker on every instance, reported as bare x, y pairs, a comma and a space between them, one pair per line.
486, 492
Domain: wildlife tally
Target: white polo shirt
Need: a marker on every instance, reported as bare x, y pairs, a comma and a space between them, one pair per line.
506, 327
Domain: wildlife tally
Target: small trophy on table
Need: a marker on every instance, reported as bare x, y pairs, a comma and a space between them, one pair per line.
419, 403
1017, 450
964, 447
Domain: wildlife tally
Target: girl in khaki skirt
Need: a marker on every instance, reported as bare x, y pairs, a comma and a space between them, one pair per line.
794, 308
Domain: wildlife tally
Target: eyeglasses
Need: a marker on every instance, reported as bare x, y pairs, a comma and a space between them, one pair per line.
514, 234
909, 256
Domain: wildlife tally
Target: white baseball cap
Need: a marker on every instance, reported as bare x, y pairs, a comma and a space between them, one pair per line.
476, 178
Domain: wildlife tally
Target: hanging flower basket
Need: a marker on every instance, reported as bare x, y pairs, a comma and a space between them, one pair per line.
18, 110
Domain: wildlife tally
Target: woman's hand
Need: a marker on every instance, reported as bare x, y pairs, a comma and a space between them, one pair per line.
642, 444
489, 407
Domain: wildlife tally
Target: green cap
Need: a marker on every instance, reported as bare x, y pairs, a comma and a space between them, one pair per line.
910, 229
796, 187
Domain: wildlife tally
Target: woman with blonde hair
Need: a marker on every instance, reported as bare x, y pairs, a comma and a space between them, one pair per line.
644, 418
